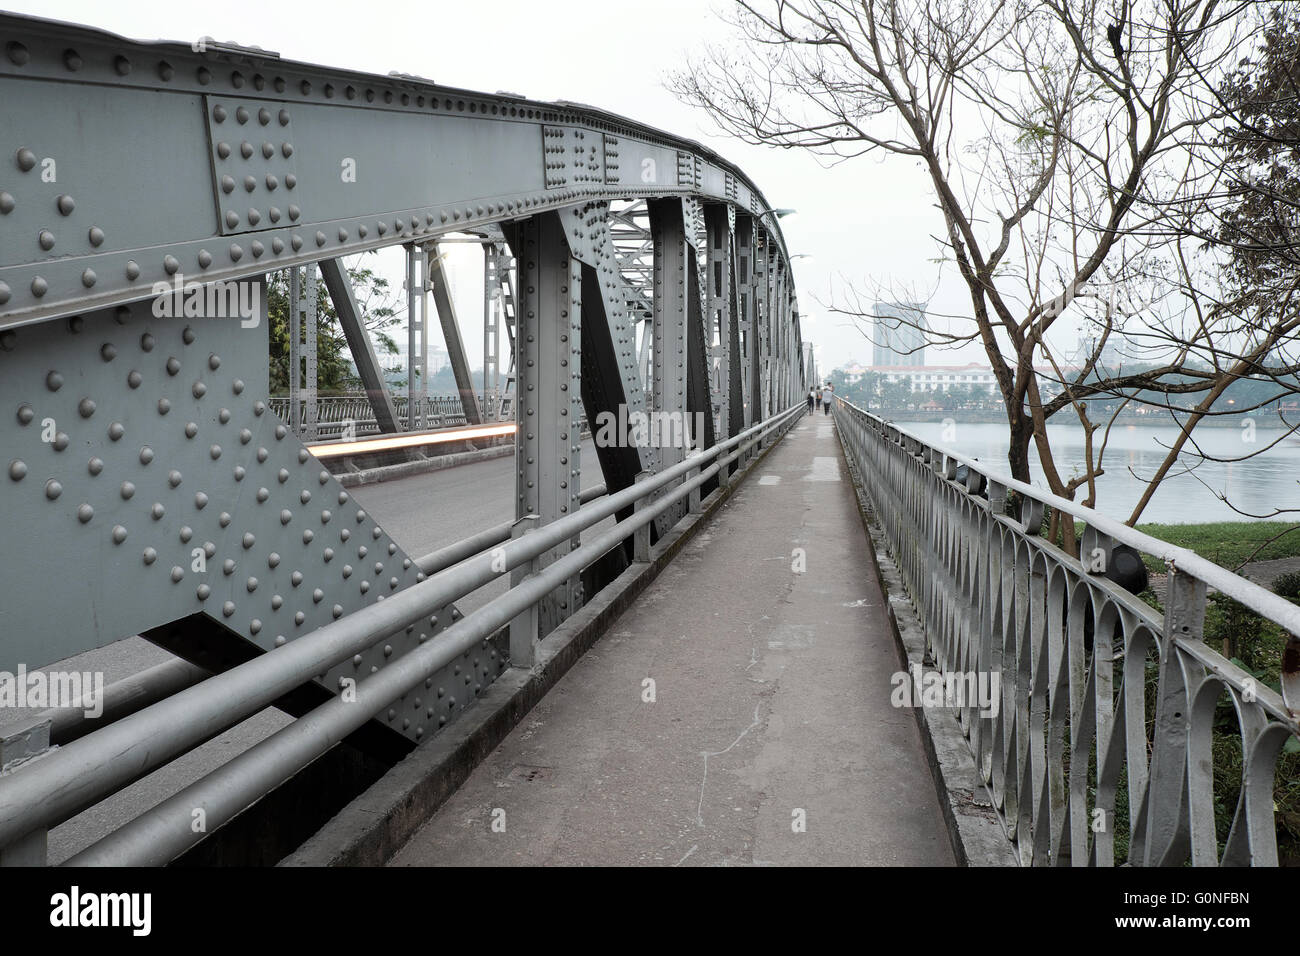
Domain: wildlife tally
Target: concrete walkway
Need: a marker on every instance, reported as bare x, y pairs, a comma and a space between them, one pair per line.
770, 739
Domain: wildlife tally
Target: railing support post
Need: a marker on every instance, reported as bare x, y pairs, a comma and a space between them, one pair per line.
641, 536
524, 627
23, 742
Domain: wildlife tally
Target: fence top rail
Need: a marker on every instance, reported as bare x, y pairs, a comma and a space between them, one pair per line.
1179, 560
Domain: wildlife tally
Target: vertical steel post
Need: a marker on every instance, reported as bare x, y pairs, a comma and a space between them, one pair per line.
524, 628
745, 253
491, 331
549, 345
295, 349
309, 385
413, 330
671, 291
718, 226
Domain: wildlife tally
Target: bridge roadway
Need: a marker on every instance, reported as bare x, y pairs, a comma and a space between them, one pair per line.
771, 697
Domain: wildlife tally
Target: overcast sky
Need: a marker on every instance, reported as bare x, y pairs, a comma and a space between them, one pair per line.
868, 221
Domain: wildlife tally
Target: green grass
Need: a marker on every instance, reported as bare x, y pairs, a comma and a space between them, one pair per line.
1227, 543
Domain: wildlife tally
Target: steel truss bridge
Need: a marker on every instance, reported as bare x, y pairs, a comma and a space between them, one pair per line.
151, 488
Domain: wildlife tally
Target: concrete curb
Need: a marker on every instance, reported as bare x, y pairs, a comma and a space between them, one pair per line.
374, 826
369, 476
974, 825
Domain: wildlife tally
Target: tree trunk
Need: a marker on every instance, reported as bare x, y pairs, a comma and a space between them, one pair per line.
1021, 434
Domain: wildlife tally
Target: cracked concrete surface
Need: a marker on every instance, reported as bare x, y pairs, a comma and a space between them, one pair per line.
770, 708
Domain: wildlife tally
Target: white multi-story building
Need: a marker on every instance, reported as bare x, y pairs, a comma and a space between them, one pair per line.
935, 378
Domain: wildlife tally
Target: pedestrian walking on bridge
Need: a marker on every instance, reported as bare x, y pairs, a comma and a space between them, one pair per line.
826, 398
812, 393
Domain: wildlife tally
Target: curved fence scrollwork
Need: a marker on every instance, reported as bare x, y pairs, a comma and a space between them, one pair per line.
1100, 749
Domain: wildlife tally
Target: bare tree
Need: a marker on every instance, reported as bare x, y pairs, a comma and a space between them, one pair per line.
1071, 146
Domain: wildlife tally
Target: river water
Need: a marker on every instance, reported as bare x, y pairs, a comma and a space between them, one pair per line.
1257, 485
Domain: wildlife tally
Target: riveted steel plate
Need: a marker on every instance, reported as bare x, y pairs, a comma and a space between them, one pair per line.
254, 168
145, 480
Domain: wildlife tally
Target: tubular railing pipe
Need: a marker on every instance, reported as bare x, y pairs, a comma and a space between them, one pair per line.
123, 698
162, 833
74, 777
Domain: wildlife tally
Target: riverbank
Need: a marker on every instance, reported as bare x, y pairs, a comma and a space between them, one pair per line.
1230, 544
999, 417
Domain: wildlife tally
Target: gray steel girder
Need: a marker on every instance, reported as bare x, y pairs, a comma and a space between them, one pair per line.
248, 163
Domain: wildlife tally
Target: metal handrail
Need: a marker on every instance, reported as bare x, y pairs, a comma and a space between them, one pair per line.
1070, 644
47, 791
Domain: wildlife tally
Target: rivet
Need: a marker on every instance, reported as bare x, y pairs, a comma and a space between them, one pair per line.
60, 441
95, 466
128, 490
204, 592
45, 240
215, 452
199, 390
132, 270
200, 501
65, 204
157, 511
146, 455
39, 287
17, 469
5, 292
164, 406
191, 429
171, 265
54, 381
119, 534
174, 478
248, 540
228, 609
53, 489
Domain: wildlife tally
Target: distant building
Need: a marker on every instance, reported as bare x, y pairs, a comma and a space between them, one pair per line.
1108, 361
899, 337
853, 372
938, 378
